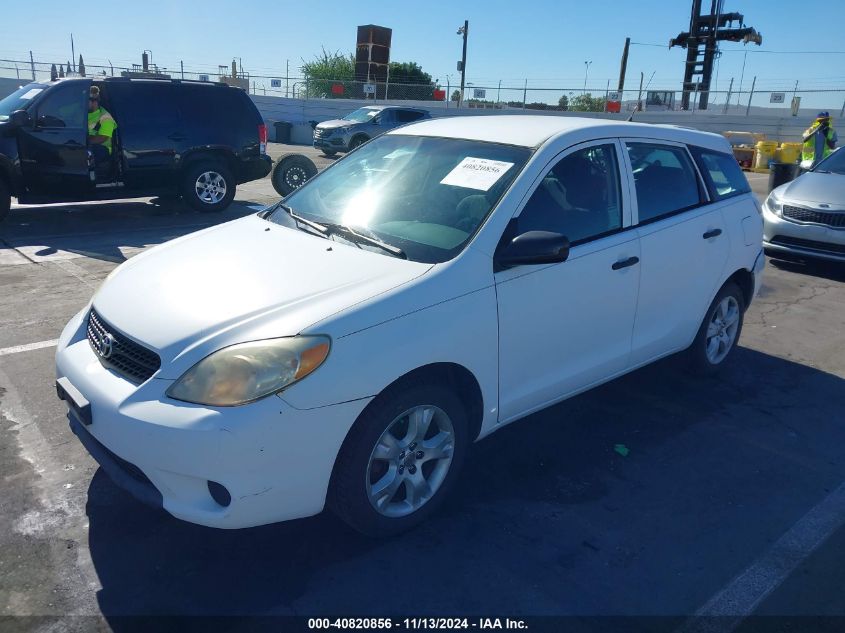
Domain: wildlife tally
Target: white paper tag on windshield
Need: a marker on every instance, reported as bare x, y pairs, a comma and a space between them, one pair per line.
29, 94
476, 173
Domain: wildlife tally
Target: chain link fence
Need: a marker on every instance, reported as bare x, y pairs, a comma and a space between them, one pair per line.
781, 98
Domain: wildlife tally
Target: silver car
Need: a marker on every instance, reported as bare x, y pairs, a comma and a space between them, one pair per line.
806, 217
344, 135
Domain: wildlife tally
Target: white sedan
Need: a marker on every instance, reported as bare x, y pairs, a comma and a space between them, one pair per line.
346, 346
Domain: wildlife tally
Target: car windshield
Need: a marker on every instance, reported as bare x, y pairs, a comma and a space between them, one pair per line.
835, 163
19, 99
362, 115
425, 196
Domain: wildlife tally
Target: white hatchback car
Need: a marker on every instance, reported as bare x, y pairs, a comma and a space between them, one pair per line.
346, 346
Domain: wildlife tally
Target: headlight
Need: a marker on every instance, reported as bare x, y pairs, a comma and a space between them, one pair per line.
775, 205
248, 371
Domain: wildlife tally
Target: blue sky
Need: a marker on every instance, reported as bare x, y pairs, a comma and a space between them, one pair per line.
545, 41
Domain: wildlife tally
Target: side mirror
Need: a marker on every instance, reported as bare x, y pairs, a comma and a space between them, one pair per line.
534, 247
20, 118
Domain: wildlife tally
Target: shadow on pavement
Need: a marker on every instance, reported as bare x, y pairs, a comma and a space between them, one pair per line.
101, 231
642, 497
832, 271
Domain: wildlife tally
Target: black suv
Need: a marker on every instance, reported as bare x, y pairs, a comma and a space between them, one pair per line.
194, 139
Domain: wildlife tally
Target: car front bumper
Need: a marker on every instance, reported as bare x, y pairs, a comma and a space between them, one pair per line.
275, 461
336, 142
799, 239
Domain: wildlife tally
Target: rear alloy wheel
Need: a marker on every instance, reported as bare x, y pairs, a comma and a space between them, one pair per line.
5, 200
400, 459
208, 186
291, 172
719, 332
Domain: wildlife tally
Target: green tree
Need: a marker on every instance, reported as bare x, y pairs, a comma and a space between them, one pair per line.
456, 95
586, 103
563, 103
327, 70
410, 81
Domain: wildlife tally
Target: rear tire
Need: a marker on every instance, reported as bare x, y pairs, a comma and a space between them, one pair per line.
291, 172
5, 200
208, 186
719, 332
400, 459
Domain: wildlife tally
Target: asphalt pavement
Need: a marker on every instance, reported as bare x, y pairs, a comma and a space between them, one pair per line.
658, 494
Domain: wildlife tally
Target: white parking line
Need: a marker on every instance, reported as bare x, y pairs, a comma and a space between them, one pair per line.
28, 347
726, 610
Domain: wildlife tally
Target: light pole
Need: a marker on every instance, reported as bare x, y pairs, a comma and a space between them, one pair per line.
586, 70
464, 30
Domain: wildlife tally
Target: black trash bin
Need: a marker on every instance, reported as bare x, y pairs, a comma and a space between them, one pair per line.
282, 131
780, 173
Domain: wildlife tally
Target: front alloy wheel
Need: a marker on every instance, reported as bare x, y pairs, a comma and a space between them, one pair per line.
400, 458
410, 461
719, 331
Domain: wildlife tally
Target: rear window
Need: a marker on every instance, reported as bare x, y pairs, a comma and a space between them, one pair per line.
721, 172
217, 111
406, 116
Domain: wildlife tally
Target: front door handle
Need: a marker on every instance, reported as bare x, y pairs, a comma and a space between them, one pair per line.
625, 263
712, 233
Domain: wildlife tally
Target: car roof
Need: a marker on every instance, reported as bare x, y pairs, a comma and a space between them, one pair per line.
534, 130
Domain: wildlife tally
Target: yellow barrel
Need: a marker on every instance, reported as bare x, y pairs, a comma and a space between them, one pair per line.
765, 153
790, 152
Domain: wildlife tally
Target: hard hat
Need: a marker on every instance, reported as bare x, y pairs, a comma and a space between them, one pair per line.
94, 93
823, 115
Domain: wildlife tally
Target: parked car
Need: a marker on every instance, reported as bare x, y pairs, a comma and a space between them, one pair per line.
344, 135
806, 217
194, 139
346, 346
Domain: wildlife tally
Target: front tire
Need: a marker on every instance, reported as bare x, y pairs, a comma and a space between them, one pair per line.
357, 142
291, 172
208, 186
719, 332
400, 459
5, 200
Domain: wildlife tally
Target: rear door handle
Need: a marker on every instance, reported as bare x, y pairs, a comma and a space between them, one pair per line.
625, 263
712, 233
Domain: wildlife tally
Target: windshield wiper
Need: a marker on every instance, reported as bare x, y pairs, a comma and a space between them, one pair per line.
354, 236
323, 230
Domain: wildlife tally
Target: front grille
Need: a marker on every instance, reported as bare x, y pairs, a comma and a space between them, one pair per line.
319, 133
836, 220
126, 357
812, 245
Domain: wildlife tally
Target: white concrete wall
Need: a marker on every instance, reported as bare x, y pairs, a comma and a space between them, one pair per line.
300, 111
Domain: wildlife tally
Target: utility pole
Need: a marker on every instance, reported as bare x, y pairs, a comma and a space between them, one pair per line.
586, 70
623, 68
464, 30
728, 98
287, 77
182, 66
751, 95
640, 94
72, 51
32, 64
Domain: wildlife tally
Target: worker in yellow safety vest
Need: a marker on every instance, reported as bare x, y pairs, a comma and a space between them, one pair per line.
101, 127
819, 141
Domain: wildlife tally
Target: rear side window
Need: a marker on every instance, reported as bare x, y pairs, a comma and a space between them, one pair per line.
665, 180
722, 173
406, 116
144, 110
216, 112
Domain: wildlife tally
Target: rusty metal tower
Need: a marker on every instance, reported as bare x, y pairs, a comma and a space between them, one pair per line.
701, 42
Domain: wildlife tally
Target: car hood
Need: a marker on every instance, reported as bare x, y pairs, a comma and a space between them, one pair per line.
336, 123
242, 281
816, 188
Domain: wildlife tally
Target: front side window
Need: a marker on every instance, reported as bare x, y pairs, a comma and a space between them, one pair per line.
579, 197
665, 180
362, 115
722, 173
63, 107
424, 195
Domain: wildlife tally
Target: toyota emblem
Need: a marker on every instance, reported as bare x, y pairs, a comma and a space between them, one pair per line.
105, 345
